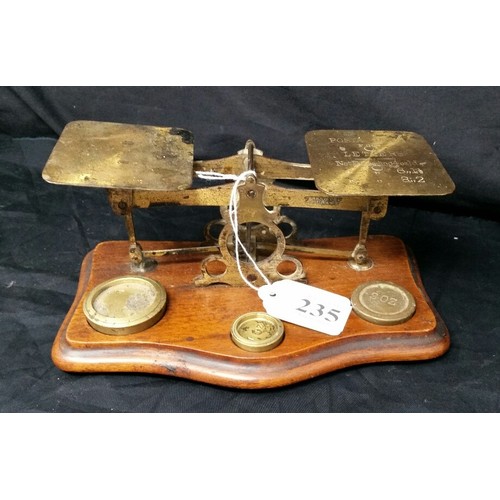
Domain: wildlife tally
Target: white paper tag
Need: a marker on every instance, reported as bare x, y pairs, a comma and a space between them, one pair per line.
306, 305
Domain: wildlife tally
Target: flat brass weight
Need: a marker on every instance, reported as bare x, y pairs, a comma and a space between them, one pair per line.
383, 303
257, 332
125, 305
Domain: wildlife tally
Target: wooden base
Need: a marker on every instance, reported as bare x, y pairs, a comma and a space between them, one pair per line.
192, 340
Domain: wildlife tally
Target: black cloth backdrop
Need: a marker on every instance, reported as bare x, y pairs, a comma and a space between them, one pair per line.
46, 230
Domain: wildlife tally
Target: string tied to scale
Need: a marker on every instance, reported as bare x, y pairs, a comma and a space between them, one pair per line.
233, 220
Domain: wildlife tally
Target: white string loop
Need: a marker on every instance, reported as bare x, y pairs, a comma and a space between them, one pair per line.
215, 176
233, 219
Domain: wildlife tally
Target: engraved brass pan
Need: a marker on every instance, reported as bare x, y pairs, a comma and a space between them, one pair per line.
375, 163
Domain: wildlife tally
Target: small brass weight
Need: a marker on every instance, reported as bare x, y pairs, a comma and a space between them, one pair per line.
187, 310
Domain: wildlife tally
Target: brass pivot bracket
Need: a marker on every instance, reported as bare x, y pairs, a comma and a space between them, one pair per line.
259, 232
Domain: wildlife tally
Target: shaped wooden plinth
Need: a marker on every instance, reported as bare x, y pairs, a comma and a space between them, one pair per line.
192, 340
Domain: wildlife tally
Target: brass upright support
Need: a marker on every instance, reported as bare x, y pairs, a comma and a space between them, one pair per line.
122, 203
359, 259
376, 209
135, 249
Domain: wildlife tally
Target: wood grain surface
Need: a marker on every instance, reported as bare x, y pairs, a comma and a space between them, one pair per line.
192, 340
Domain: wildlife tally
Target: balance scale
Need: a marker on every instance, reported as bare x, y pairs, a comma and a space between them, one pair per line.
190, 309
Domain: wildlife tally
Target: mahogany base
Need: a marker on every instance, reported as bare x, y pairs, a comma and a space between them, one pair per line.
192, 340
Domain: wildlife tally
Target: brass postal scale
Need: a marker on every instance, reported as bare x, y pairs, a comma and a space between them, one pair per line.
195, 309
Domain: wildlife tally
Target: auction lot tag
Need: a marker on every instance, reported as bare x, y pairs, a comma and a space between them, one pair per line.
306, 306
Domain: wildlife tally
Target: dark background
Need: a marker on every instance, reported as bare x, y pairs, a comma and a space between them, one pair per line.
46, 230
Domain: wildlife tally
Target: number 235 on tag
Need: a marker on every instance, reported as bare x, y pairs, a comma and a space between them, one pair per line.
306, 306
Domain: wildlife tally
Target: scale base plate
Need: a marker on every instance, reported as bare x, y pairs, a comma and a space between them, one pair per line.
192, 340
